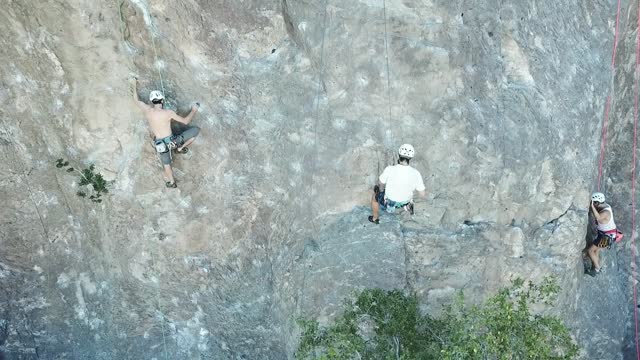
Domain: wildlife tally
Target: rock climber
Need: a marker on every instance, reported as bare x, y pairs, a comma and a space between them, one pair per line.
160, 122
396, 186
606, 230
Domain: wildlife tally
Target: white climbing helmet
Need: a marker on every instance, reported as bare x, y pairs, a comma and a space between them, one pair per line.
156, 95
406, 151
598, 197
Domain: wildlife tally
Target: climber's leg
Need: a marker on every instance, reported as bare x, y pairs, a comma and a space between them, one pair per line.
594, 255
375, 209
168, 173
377, 201
186, 138
165, 157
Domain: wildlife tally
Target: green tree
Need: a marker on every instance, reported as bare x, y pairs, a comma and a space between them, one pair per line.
378, 324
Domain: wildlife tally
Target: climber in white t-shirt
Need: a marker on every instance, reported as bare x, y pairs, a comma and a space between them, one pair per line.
396, 185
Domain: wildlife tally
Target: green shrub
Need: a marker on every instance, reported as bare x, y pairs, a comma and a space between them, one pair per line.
380, 324
88, 176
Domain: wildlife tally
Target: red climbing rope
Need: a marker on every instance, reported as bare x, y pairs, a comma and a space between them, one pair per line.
603, 140
633, 185
633, 166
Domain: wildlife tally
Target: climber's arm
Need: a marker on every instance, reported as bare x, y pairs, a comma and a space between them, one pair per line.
140, 104
187, 119
420, 188
383, 178
194, 110
600, 218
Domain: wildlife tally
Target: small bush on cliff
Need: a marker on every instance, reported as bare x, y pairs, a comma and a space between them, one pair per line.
90, 182
380, 324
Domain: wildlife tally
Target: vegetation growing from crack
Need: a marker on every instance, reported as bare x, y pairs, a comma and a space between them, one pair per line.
92, 183
378, 324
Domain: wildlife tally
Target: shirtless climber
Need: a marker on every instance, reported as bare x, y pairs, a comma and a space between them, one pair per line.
396, 186
606, 228
165, 140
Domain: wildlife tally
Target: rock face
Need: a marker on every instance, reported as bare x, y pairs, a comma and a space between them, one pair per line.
304, 104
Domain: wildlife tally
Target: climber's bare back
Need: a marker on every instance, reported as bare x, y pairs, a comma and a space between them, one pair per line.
159, 121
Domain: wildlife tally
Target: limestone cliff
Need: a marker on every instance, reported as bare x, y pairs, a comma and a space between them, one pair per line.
303, 104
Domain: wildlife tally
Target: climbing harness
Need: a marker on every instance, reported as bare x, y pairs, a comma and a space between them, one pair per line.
165, 144
161, 147
604, 241
608, 238
390, 205
614, 235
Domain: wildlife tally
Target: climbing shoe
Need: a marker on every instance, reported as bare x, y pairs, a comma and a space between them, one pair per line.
409, 208
593, 272
183, 151
376, 221
376, 190
171, 185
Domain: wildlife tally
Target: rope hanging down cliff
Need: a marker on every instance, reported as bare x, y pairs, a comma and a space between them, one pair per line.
634, 160
386, 56
122, 27
319, 87
633, 183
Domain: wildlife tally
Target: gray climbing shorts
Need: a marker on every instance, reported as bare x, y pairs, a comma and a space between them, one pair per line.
388, 205
165, 157
189, 133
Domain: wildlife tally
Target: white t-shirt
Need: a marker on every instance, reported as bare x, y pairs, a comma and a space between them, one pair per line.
400, 182
611, 225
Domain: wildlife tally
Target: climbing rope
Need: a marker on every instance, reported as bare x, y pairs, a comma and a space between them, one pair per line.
157, 64
633, 185
388, 68
320, 77
634, 160
315, 160
386, 55
159, 308
603, 139
162, 317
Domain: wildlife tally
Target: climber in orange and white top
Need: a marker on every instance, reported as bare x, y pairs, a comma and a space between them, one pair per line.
606, 228
396, 185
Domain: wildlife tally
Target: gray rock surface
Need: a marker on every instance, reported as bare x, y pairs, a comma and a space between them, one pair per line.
346, 258
303, 104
